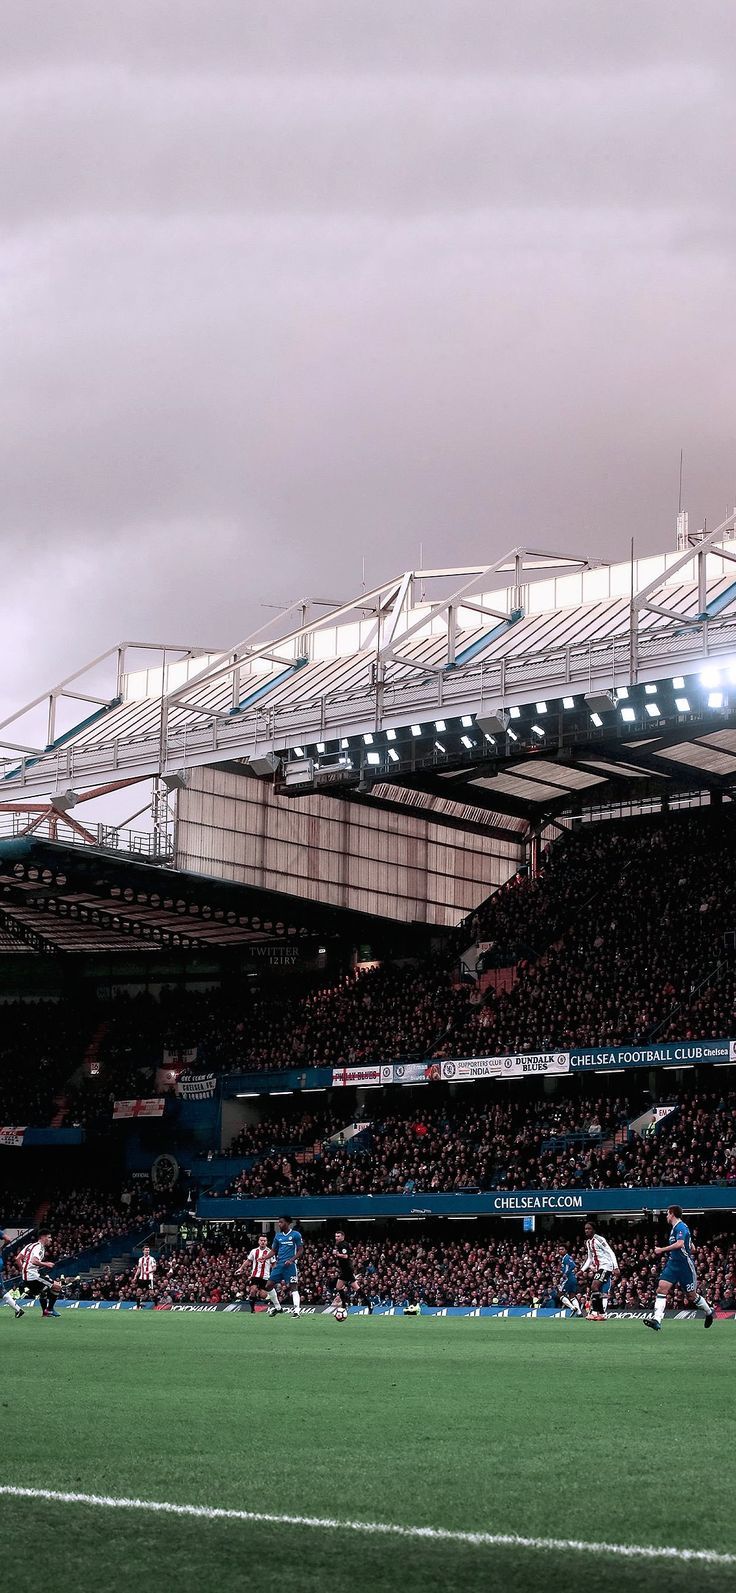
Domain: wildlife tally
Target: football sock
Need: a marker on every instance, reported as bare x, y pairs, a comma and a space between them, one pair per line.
296, 1299
604, 1303
567, 1302
273, 1297
660, 1301
703, 1304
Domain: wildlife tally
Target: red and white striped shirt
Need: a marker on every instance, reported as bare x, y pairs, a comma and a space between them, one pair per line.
260, 1264
28, 1260
146, 1269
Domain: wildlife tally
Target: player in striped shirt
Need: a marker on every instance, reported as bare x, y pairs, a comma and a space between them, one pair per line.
7, 1299
601, 1262
32, 1262
145, 1276
258, 1263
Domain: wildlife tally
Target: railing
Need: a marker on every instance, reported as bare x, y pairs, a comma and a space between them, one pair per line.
138, 843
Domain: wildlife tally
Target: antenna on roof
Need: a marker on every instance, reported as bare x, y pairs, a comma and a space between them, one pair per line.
679, 495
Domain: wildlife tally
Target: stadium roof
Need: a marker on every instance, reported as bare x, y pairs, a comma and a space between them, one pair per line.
426, 648
57, 898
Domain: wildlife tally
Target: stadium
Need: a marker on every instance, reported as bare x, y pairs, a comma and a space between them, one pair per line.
457, 856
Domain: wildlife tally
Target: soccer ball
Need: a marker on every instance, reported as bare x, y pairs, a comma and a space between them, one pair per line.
340, 1314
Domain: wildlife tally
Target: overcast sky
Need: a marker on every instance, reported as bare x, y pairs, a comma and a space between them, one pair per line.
286, 285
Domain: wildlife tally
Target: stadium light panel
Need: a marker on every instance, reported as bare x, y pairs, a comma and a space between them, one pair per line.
440, 725
466, 741
622, 693
537, 731
299, 752
320, 746
390, 735
628, 715
650, 688
512, 735
374, 758
393, 754
490, 738
710, 678
466, 721
652, 709
514, 713
682, 705
597, 721
247, 1095
568, 702
715, 699
282, 1092
541, 707
678, 682
416, 730
344, 743
439, 746
368, 739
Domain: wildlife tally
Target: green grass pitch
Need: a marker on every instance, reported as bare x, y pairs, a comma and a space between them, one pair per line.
548, 1429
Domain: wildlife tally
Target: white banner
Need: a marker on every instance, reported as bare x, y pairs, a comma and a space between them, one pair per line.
371, 1075
153, 1108
507, 1067
11, 1136
409, 1072
180, 1058
197, 1086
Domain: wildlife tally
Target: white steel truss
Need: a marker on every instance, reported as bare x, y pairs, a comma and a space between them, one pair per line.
402, 651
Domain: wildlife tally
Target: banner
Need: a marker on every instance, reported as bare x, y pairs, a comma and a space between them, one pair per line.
516, 1203
343, 1076
501, 1312
181, 1057
410, 1072
506, 1067
197, 1086
678, 1053
139, 1108
11, 1136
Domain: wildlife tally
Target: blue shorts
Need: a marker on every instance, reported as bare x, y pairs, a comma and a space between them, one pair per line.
286, 1273
569, 1285
680, 1269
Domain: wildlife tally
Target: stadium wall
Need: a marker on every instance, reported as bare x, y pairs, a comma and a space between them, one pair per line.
395, 865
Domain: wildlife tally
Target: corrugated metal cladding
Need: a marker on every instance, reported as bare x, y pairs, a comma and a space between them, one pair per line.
400, 866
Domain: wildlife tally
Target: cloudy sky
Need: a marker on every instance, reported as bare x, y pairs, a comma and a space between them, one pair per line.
287, 285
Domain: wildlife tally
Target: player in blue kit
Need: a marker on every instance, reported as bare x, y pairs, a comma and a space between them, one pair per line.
568, 1286
679, 1268
287, 1245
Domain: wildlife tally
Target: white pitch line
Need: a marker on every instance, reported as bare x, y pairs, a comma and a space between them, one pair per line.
386, 1529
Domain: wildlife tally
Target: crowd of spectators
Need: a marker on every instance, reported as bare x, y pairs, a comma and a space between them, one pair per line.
466, 1272
563, 1141
618, 938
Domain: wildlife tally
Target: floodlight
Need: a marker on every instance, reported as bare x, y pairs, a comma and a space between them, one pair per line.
344, 743
678, 682
628, 715
622, 693
466, 721
512, 735
710, 677
390, 735
440, 725
515, 713
537, 731
368, 739
320, 746
541, 707
299, 752
715, 699
682, 705
466, 741
439, 746
651, 688
597, 721
393, 755
416, 730
568, 702
652, 709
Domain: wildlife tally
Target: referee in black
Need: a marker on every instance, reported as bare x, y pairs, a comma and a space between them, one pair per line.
345, 1281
